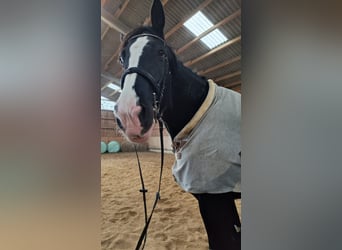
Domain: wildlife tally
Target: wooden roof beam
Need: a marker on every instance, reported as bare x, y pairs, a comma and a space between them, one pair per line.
232, 84
116, 15
113, 22
226, 63
227, 44
119, 11
224, 21
119, 73
115, 54
105, 85
116, 24
113, 93
111, 78
225, 77
104, 32
180, 24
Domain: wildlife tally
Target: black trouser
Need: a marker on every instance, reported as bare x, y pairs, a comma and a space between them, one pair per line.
221, 220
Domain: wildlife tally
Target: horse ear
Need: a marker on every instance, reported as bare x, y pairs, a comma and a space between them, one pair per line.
158, 17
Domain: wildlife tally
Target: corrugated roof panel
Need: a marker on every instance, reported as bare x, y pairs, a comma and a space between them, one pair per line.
113, 6
224, 70
195, 51
109, 45
229, 80
219, 57
114, 68
181, 37
231, 29
136, 12
220, 9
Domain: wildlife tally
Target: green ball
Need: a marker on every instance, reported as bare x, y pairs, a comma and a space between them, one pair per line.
103, 147
114, 147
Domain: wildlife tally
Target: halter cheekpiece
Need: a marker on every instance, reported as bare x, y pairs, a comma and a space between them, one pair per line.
157, 86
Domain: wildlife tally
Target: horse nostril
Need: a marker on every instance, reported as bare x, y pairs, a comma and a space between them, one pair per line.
120, 124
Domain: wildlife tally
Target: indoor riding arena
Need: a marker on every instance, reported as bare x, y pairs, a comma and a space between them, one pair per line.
176, 222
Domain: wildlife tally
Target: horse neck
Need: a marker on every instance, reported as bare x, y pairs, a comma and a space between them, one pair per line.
187, 92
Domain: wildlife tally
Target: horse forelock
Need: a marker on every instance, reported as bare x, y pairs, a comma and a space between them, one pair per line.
137, 31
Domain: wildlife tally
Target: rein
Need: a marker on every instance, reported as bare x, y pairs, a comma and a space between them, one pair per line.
143, 235
158, 94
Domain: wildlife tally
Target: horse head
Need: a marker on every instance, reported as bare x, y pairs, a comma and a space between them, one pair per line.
144, 57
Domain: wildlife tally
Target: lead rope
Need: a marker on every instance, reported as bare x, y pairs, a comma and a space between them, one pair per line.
143, 235
142, 190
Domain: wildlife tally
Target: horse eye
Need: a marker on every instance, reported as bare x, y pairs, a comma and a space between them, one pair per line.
121, 60
121, 57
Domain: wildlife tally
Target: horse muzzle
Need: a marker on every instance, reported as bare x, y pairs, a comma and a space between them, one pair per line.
130, 124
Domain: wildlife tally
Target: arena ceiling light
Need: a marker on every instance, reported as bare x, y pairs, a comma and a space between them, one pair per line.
214, 38
107, 104
114, 87
198, 24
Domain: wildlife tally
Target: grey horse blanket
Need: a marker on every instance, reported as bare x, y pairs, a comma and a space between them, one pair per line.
207, 149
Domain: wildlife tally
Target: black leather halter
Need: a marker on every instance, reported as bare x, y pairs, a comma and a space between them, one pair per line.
158, 87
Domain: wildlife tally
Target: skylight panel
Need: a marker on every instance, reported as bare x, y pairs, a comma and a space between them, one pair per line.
214, 38
113, 86
198, 23
107, 105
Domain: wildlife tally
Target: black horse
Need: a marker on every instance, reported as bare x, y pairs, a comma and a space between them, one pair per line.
202, 119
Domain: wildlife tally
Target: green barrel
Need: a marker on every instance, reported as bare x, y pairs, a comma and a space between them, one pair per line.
114, 147
103, 147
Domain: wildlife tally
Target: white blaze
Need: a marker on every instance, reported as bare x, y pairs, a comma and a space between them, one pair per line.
128, 97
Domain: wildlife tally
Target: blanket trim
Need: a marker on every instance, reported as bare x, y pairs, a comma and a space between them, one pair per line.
198, 115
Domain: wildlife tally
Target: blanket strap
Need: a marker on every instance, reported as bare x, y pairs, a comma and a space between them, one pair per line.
143, 235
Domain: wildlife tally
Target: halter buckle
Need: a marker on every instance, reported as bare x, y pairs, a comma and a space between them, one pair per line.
155, 105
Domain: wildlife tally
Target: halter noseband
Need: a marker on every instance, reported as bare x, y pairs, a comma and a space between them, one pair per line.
157, 86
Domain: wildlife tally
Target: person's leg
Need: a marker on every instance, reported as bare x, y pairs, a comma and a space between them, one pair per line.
221, 220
